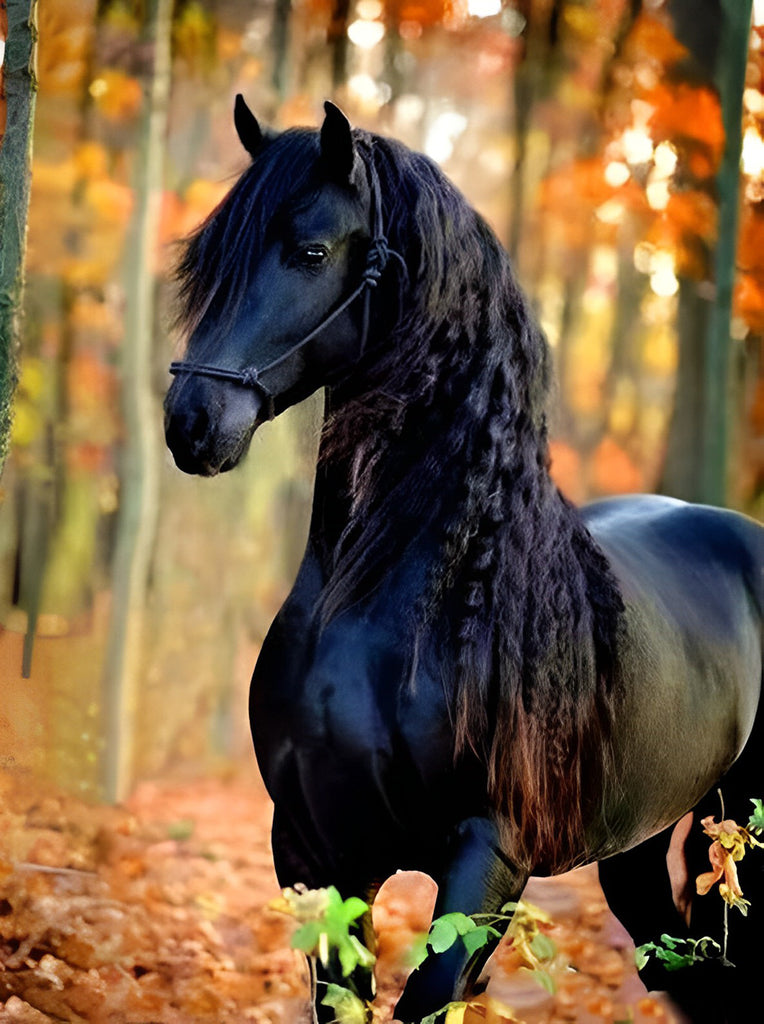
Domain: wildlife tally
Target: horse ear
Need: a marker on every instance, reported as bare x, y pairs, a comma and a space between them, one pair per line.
337, 148
249, 131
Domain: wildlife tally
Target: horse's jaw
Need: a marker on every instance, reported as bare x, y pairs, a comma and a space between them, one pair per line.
202, 445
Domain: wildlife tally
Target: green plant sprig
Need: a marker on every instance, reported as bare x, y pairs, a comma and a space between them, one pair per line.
326, 920
675, 953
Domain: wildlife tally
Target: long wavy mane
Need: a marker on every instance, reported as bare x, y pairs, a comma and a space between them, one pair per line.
448, 436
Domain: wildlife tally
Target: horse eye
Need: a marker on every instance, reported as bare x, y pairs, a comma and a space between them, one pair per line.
312, 255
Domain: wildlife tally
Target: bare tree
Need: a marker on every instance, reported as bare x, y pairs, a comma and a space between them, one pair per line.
18, 87
140, 456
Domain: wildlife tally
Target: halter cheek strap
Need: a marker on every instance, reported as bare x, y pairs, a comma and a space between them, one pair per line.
377, 257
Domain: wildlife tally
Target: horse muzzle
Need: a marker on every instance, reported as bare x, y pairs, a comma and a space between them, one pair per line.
209, 425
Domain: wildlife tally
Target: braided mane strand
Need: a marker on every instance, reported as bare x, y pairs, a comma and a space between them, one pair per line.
449, 433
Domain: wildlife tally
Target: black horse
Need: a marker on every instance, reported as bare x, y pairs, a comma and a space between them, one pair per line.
470, 677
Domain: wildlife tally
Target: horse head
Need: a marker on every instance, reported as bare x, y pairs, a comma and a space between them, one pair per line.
276, 287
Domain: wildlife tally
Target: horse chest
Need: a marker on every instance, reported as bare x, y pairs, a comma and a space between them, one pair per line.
340, 704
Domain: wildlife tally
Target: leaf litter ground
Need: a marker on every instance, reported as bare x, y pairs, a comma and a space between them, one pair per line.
157, 912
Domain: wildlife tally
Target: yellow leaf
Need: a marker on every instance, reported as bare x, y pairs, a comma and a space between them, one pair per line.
455, 1013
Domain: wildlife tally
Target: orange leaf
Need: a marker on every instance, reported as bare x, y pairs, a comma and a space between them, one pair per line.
117, 95
749, 301
684, 111
717, 855
750, 254
693, 212
651, 39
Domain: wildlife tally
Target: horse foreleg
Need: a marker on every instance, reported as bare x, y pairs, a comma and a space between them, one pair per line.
477, 880
298, 862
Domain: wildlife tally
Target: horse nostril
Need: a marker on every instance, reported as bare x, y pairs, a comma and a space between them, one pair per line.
199, 428
187, 434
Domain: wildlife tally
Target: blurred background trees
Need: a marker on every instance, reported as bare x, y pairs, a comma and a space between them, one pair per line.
617, 148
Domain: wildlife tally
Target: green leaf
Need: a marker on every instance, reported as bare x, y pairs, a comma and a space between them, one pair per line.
543, 947
334, 903
509, 908
756, 821
461, 922
348, 1008
642, 954
432, 1018
306, 937
364, 955
451, 1013
347, 956
702, 947
442, 935
352, 954
480, 936
675, 954
353, 908
676, 961
435, 1018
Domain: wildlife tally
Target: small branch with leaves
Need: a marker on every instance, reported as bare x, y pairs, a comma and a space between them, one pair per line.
730, 842
728, 848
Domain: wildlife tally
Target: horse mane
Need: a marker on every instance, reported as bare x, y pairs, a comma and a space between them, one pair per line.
448, 434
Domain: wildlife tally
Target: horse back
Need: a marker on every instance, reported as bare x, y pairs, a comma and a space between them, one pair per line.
686, 551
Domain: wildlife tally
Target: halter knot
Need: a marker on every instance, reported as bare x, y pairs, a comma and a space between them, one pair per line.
376, 260
250, 377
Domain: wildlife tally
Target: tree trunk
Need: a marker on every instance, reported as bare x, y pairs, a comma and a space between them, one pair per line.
17, 87
527, 83
682, 475
282, 13
139, 477
698, 445
720, 402
337, 38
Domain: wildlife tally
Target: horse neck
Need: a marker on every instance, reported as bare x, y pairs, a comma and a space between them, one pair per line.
330, 512
420, 495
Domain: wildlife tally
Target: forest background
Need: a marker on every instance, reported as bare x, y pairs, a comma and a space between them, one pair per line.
617, 148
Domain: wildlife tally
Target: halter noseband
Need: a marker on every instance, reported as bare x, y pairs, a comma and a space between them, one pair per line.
377, 257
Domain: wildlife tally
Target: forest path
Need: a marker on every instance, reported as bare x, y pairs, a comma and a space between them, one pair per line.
157, 912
